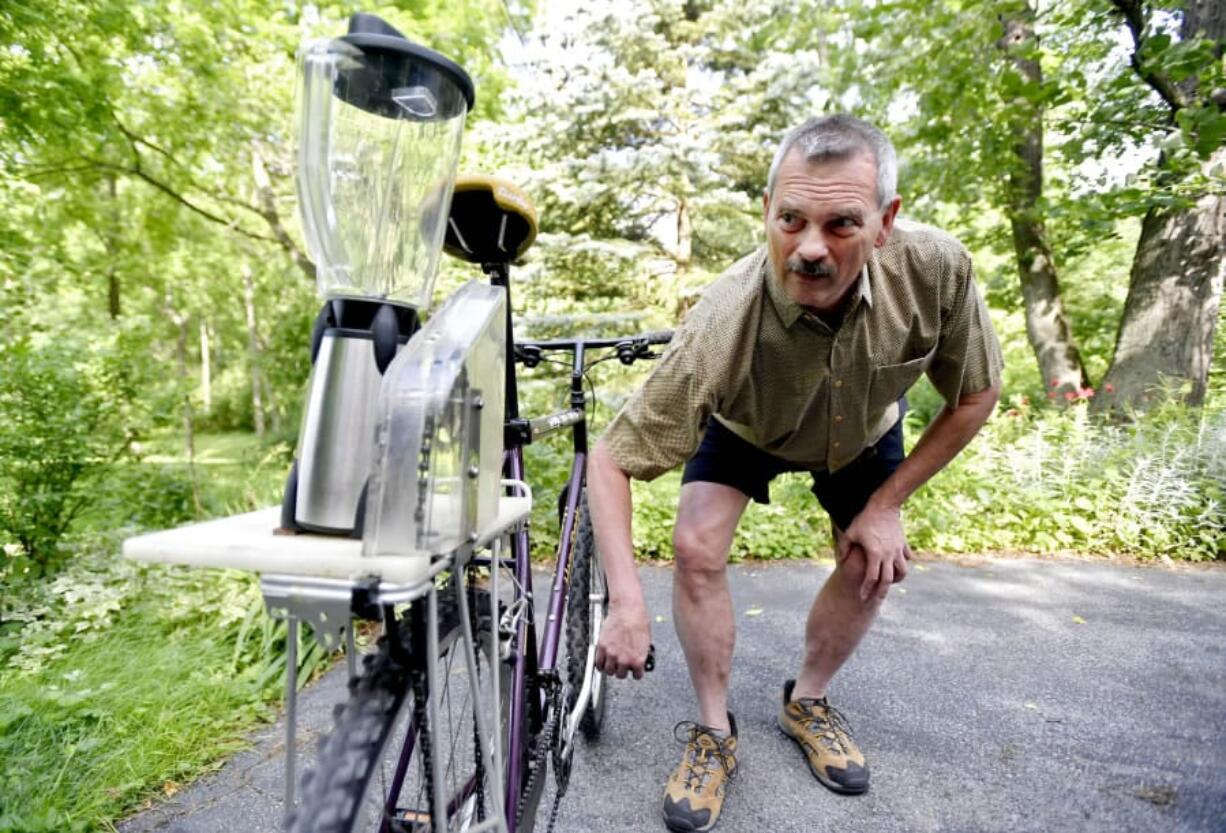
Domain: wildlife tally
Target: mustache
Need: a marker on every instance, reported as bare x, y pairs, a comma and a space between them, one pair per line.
812, 268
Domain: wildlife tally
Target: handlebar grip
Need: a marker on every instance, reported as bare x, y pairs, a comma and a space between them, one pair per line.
659, 337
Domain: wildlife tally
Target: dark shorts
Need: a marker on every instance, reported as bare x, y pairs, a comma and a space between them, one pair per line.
724, 457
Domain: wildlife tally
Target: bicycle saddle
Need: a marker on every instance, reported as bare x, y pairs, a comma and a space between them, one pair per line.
492, 221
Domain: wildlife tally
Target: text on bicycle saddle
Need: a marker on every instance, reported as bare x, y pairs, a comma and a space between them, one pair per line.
492, 220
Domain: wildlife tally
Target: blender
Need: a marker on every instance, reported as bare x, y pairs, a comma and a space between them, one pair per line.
379, 124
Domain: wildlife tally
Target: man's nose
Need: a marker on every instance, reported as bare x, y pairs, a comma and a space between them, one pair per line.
812, 246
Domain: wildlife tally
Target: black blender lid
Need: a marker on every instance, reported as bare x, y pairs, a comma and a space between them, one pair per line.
401, 63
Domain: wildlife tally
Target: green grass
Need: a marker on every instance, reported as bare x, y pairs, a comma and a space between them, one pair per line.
120, 719
120, 682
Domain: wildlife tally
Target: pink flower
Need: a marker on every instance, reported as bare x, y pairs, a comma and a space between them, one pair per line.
1055, 382
1070, 395
1085, 393
1051, 394
1110, 388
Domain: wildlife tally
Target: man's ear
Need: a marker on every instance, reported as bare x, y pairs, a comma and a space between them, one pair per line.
766, 205
887, 221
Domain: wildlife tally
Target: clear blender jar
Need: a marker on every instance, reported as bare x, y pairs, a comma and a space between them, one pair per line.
379, 124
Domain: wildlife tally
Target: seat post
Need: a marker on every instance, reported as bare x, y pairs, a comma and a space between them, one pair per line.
500, 275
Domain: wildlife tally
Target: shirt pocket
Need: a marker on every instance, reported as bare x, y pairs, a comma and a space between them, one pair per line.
890, 381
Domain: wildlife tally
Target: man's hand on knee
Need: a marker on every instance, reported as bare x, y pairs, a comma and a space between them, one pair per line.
878, 534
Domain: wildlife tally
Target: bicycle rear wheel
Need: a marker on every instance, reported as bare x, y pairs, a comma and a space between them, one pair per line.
374, 773
586, 606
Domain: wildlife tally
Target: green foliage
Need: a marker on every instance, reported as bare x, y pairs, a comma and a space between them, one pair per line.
1041, 481
148, 175
64, 418
127, 683
120, 681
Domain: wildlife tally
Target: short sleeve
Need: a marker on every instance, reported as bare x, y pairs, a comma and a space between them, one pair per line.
661, 425
968, 356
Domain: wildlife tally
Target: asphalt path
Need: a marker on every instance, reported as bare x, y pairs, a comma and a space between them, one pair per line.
991, 695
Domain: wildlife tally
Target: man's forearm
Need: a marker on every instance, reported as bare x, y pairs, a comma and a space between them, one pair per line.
941, 441
610, 504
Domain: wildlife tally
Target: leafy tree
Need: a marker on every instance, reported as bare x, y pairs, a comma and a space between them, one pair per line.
969, 91
1175, 291
148, 168
148, 243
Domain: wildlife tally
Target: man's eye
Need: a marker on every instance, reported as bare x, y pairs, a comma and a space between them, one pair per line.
788, 219
845, 224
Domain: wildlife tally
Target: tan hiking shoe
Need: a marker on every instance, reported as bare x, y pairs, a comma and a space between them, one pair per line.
823, 735
696, 789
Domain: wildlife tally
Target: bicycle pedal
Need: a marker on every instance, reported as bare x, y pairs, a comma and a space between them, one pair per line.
410, 821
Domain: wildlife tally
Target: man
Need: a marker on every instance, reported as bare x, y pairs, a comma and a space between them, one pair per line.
795, 359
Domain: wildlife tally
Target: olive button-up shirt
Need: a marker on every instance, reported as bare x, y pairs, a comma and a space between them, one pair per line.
792, 384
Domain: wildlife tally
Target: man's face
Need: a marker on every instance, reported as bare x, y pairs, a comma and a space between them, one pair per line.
822, 224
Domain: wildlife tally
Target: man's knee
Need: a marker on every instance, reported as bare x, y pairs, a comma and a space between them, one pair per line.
853, 568
698, 549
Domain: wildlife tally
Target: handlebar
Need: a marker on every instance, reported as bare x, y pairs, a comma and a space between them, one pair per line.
629, 348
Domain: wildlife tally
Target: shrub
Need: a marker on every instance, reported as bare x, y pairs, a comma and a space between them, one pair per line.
63, 420
1046, 480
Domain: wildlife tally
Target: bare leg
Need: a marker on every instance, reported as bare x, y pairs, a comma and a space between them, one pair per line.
837, 622
707, 515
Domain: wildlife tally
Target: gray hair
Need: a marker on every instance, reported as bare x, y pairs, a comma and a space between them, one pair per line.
841, 137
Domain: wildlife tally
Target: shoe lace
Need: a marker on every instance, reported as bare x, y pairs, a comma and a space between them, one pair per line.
828, 723
698, 755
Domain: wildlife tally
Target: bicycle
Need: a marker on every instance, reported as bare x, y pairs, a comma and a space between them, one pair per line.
455, 720
547, 705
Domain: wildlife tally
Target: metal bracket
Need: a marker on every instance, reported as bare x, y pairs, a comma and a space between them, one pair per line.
328, 617
516, 433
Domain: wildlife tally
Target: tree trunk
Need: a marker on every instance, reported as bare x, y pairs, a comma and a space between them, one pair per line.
112, 248
267, 199
189, 421
206, 374
1060, 363
112, 292
1165, 339
683, 298
253, 352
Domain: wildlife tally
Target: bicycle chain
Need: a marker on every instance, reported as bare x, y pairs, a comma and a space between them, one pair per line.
544, 748
561, 769
423, 737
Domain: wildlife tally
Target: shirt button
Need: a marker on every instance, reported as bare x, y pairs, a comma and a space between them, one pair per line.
836, 443
838, 383
838, 418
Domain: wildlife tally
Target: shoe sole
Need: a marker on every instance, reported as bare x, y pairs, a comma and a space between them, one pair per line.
687, 829
680, 829
833, 786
